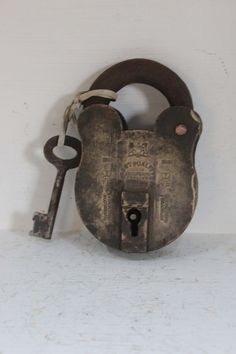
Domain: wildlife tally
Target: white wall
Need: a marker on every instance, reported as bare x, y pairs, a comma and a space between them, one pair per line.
51, 49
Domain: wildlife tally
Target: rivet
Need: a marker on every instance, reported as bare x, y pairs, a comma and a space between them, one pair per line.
181, 129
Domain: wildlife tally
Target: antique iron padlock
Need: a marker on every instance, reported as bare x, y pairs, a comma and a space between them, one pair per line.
136, 190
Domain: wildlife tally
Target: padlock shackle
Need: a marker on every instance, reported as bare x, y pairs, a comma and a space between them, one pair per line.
142, 71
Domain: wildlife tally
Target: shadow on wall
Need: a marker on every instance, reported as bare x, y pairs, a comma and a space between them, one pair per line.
142, 117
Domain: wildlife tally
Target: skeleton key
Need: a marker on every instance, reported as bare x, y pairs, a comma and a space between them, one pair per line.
44, 222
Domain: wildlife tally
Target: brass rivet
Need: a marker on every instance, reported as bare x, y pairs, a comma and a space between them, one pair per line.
181, 129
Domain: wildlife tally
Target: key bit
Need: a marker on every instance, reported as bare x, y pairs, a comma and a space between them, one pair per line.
44, 222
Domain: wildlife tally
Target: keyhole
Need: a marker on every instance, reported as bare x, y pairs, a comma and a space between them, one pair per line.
134, 217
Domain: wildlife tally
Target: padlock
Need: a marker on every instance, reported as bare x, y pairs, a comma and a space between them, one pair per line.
136, 190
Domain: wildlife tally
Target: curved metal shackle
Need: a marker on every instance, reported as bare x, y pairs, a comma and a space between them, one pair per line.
142, 71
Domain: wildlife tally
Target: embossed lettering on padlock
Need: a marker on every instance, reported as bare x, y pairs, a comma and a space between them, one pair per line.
136, 190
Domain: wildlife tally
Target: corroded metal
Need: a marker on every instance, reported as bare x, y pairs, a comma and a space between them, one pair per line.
143, 71
44, 222
136, 190
151, 171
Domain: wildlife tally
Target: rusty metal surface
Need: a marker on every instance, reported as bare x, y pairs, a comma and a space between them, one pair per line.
143, 71
151, 171
44, 222
136, 190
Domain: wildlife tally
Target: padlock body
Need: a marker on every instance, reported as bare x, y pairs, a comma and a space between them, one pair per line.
136, 190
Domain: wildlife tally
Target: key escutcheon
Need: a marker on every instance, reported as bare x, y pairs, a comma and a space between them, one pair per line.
44, 222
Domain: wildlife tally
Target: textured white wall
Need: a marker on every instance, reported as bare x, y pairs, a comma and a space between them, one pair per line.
51, 49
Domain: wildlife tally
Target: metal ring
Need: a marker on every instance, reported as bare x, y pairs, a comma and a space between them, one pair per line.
57, 161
